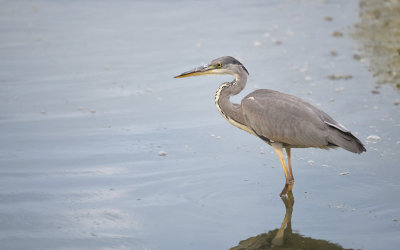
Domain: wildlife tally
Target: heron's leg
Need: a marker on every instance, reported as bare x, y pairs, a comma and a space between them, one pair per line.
291, 178
289, 164
278, 149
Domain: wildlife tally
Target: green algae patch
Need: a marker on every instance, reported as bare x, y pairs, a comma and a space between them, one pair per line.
378, 32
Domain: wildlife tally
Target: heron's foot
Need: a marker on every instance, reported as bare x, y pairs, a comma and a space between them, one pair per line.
287, 188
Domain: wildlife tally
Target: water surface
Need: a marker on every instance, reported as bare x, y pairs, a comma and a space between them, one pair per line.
88, 104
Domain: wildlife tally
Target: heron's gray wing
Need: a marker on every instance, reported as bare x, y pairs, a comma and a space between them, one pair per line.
288, 119
285, 118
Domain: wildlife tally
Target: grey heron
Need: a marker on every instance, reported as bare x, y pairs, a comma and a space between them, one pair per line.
283, 121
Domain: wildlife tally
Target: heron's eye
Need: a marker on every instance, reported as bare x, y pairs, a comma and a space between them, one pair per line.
219, 65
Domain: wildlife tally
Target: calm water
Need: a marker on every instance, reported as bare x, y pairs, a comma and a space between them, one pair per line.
88, 104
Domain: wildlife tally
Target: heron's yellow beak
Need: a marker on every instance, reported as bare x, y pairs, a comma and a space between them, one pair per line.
203, 70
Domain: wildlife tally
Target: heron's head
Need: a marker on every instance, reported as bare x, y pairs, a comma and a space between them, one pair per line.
220, 66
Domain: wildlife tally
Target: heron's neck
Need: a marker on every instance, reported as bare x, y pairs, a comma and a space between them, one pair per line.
231, 111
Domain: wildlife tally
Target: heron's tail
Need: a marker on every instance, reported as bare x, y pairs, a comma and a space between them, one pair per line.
346, 140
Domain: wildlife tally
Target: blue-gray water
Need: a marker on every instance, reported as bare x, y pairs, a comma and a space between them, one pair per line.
88, 104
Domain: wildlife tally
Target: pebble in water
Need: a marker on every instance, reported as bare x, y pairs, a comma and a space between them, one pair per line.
308, 78
357, 57
162, 153
257, 43
216, 136
337, 34
373, 138
339, 90
340, 77
200, 44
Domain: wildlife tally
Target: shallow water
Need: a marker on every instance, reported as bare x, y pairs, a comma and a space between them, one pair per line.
88, 104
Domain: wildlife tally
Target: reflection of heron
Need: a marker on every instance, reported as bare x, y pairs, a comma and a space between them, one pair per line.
281, 120
284, 238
